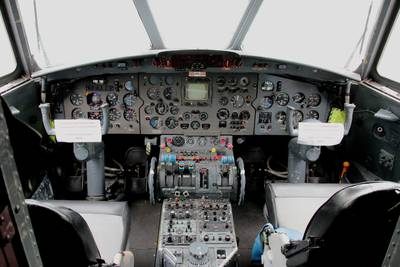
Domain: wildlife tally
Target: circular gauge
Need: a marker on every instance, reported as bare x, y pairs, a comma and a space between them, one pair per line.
94, 99
155, 123
223, 101
223, 114
112, 99
129, 86
169, 93
129, 114
244, 81
178, 140
149, 109
297, 117
244, 115
154, 80
281, 117
174, 110
76, 99
282, 99
187, 116
298, 97
195, 125
266, 102
129, 100
220, 82
202, 141
237, 101
161, 108
190, 140
77, 114
235, 115
203, 116
312, 114
169, 80
267, 86
314, 100
153, 93
114, 114
171, 122
232, 82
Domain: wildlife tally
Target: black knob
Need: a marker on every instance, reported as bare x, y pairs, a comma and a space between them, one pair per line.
206, 238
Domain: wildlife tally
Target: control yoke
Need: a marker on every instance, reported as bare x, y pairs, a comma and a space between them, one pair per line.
91, 153
300, 155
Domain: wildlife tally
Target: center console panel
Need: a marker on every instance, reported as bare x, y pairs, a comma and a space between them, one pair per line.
196, 232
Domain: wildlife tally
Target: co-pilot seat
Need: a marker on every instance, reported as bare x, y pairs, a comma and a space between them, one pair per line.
80, 233
353, 227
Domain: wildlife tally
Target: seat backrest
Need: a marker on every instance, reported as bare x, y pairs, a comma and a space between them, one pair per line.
354, 227
62, 235
293, 205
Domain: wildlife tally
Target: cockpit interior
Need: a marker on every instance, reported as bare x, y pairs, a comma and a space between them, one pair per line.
197, 156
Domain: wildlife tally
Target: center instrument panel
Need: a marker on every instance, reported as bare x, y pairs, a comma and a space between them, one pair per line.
214, 103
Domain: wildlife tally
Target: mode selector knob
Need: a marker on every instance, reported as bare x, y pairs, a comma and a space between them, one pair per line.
198, 253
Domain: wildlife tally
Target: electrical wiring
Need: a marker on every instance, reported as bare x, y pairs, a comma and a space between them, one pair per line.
281, 174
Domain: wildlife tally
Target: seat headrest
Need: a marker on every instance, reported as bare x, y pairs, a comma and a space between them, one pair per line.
355, 225
62, 235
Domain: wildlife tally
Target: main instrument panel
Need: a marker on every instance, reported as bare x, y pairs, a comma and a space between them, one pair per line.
206, 104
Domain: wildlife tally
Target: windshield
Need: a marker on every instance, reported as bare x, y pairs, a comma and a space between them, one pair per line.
325, 33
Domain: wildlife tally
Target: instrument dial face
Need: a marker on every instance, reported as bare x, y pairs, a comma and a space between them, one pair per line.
76, 99
281, 117
237, 101
314, 100
223, 114
195, 125
202, 141
94, 99
223, 101
77, 114
129, 86
282, 99
161, 108
171, 122
112, 99
203, 116
312, 114
169, 80
297, 117
244, 81
155, 123
244, 115
114, 114
129, 114
266, 102
174, 110
170, 93
95, 115
267, 86
298, 97
232, 82
153, 93
154, 80
187, 116
149, 109
129, 100
190, 140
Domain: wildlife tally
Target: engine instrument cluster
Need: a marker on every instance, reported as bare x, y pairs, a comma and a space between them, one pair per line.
210, 104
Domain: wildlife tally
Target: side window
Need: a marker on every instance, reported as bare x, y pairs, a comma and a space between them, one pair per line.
388, 63
7, 57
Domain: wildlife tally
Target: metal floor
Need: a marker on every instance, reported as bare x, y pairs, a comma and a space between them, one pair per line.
145, 223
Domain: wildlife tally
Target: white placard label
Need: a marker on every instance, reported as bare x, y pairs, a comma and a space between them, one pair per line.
320, 134
78, 131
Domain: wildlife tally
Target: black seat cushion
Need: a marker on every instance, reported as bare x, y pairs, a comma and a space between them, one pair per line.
62, 235
354, 226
